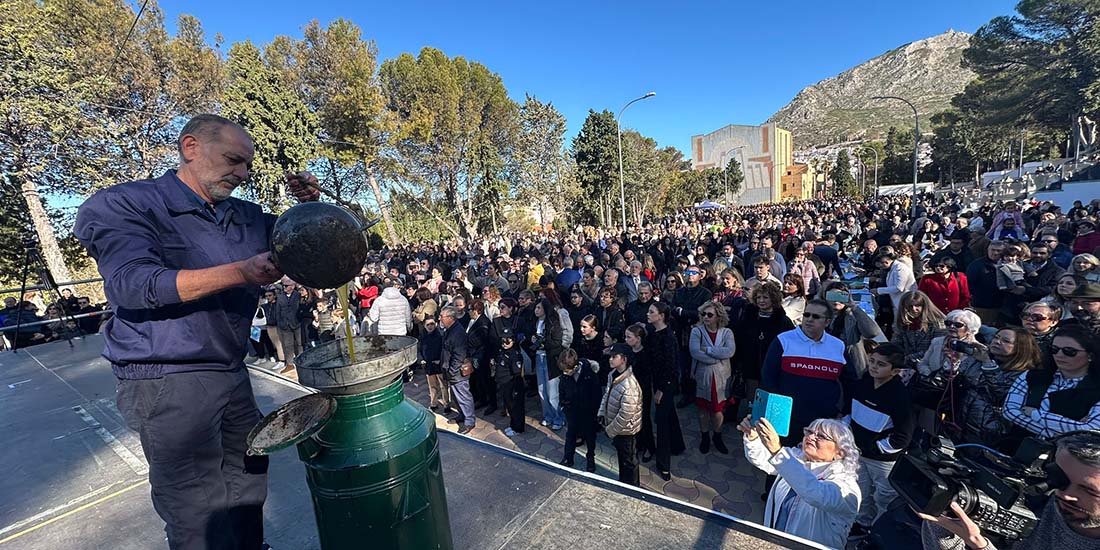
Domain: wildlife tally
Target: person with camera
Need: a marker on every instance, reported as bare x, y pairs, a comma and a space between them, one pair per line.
880, 415
938, 387
816, 494
1069, 521
850, 324
1047, 402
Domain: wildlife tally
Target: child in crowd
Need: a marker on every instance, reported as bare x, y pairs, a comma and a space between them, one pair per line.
621, 411
509, 366
579, 396
1010, 270
881, 418
429, 351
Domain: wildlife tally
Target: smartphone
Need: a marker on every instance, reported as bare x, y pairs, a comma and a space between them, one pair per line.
963, 347
838, 296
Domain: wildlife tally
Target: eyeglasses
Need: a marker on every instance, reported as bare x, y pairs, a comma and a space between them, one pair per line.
1068, 352
953, 324
806, 432
1034, 317
815, 316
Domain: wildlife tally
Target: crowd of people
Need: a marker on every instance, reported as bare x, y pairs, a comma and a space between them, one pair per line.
34, 321
978, 322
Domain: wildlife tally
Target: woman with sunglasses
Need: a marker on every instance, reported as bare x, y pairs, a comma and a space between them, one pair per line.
673, 282
939, 389
1049, 402
816, 495
1041, 320
711, 345
946, 286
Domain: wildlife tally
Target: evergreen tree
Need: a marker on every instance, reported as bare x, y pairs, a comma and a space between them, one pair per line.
595, 149
843, 181
283, 130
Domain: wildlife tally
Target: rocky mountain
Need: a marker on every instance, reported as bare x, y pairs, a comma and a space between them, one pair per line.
927, 72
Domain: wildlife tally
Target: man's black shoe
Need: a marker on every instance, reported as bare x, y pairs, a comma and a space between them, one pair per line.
465, 429
566, 462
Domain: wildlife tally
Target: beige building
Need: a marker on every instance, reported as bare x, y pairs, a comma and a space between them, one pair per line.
763, 151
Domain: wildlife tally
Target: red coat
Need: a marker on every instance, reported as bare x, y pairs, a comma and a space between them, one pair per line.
366, 296
1085, 244
948, 296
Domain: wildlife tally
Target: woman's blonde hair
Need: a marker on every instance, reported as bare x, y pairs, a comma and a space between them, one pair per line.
720, 313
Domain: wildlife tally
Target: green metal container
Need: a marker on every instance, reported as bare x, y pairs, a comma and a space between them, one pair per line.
371, 455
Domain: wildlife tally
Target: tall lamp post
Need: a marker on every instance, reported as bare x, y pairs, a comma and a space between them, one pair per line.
622, 187
725, 173
875, 151
916, 145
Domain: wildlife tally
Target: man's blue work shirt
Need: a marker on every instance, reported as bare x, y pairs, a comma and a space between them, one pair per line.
142, 233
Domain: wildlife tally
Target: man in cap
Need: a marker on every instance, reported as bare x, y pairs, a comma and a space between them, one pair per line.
1084, 305
182, 264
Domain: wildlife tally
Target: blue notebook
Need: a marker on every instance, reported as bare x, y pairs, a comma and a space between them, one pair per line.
776, 408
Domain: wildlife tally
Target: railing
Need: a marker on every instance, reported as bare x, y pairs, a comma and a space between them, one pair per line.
44, 287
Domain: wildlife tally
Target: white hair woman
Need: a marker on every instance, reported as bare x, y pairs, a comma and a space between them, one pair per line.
816, 494
938, 392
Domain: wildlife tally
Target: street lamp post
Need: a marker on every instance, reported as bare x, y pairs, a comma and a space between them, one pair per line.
916, 145
618, 125
875, 151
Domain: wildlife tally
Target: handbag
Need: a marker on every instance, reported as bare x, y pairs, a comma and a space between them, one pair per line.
259, 320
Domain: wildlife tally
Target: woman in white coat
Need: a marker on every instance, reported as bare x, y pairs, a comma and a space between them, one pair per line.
711, 346
899, 275
816, 495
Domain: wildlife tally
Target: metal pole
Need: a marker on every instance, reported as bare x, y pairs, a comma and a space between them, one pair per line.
875, 151
619, 127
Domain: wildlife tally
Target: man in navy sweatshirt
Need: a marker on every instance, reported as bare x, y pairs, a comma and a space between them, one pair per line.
182, 264
881, 418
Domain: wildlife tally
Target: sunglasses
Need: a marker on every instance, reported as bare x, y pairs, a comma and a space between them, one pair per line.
953, 324
1068, 352
806, 432
1034, 317
816, 316
671, 282
708, 314
691, 272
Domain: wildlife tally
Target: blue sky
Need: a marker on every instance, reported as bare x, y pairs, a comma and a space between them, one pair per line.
711, 63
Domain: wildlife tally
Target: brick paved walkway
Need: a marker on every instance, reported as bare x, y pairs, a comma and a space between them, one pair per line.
727, 483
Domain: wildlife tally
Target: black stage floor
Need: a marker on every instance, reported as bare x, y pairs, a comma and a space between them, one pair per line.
73, 477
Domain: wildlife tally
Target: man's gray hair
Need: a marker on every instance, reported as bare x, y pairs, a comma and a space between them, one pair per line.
645, 284
205, 127
1084, 446
449, 311
567, 262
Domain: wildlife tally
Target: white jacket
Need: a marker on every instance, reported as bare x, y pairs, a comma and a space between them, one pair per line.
390, 315
899, 280
827, 497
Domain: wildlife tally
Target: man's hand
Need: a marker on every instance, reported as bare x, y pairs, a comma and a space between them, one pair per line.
303, 186
657, 395
259, 270
963, 527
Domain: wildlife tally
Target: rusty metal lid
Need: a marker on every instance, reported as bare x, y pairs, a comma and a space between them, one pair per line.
291, 424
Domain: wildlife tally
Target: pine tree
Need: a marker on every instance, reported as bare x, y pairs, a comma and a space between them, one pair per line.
843, 181
283, 130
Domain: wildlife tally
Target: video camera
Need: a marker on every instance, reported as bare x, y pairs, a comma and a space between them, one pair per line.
999, 493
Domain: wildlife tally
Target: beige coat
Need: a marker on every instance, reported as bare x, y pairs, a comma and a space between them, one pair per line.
622, 404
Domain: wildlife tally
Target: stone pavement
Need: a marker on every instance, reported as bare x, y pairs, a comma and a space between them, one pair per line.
726, 483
